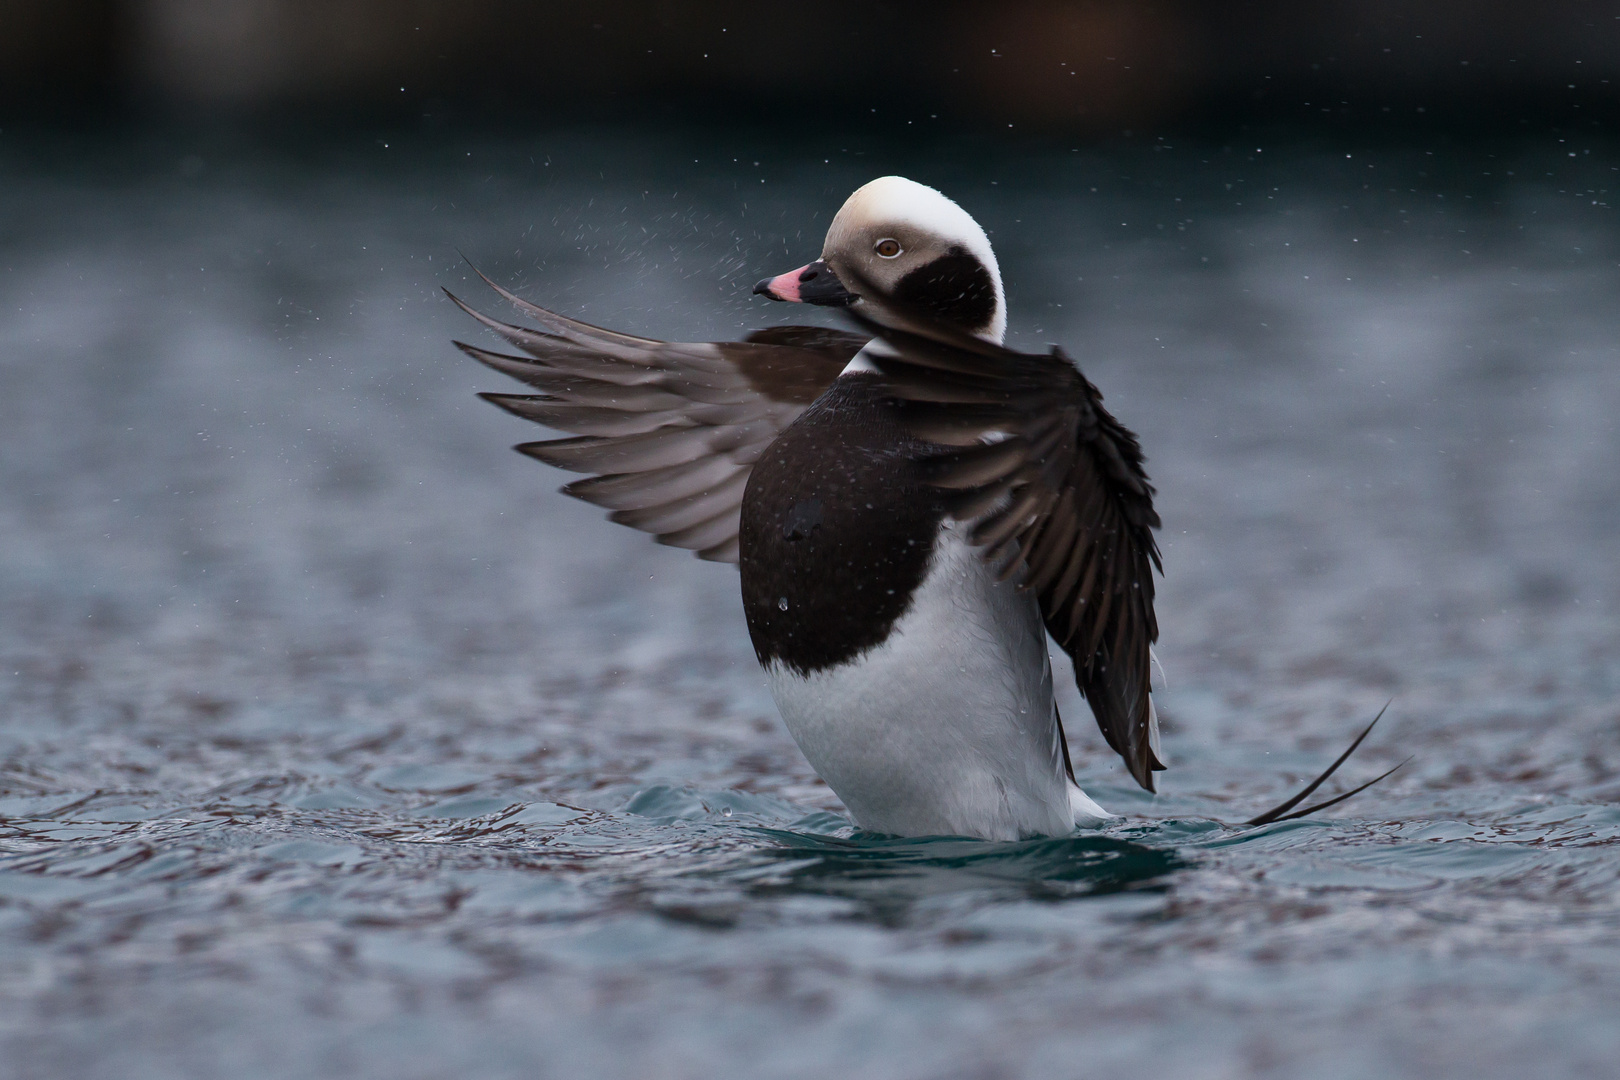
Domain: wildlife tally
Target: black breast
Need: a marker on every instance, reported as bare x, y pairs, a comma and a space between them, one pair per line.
837, 530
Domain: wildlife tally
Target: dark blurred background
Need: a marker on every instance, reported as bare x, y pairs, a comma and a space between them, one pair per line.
1088, 66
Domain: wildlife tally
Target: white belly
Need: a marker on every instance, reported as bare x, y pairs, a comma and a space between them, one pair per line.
948, 727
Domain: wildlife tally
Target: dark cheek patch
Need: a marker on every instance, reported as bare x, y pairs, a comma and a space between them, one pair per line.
954, 288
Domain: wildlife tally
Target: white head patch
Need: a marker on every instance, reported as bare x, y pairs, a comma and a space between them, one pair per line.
898, 201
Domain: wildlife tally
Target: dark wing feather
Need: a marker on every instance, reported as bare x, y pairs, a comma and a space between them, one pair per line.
1057, 495
671, 430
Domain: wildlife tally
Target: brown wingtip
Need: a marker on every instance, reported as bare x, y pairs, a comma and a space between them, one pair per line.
547, 451
471, 350
514, 403
1144, 776
1145, 764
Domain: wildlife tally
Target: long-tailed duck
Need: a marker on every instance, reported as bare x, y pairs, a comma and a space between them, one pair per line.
913, 510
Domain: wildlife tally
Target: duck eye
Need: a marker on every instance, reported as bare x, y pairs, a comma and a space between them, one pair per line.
887, 248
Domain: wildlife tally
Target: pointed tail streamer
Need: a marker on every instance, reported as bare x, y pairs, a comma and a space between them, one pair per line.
1280, 812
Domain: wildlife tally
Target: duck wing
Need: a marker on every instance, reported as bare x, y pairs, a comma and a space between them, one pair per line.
1057, 495
669, 430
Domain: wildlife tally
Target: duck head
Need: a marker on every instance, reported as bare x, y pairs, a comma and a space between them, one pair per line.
913, 243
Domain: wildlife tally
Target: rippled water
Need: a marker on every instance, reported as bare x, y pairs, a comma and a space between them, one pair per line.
334, 743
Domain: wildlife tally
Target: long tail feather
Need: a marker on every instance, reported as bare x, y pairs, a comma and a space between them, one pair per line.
1276, 813
1325, 803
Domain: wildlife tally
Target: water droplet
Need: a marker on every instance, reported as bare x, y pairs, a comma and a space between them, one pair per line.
782, 603
726, 812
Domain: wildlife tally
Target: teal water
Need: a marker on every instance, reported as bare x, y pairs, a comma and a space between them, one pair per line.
334, 743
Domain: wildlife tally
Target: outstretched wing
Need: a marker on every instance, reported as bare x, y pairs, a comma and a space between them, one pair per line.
671, 430
1055, 488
